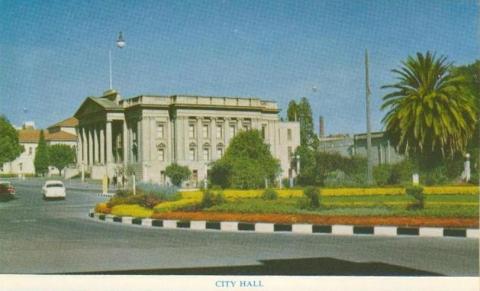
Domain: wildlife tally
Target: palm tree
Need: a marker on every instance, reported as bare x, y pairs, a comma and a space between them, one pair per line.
430, 115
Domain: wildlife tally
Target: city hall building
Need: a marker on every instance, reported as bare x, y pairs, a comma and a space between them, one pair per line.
147, 133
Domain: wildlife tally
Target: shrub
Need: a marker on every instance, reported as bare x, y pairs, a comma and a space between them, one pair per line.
102, 208
131, 210
177, 205
417, 193
382, 174
286, 183
123, 193
177, 173
313, 196
161, 192
339, 178
269, 194
303, 203
436, 176
209, 199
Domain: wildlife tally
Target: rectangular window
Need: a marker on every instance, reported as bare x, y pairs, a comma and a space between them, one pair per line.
20, 166
290, 152
161, 154
195, 176
264, 131
30, 151
219, 131
192, 154
219, 152
289, 134
205, 130
160, 130
232, 130
191, 130
206, 154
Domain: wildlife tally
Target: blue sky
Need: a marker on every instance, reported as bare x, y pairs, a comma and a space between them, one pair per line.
55, 53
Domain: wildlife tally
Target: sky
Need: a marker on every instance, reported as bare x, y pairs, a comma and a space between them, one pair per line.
53, 54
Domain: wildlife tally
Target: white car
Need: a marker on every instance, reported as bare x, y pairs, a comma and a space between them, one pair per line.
54, 189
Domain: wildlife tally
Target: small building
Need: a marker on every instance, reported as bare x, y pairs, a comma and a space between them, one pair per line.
338, 143
382, 151
29, 136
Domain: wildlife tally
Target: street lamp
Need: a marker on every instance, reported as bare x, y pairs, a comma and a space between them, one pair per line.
120, 44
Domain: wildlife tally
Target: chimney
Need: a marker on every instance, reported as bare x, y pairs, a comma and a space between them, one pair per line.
321, 132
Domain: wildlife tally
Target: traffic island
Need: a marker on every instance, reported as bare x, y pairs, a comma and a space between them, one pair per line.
293, 228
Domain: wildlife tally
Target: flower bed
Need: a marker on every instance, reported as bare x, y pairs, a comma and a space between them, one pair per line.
321, 220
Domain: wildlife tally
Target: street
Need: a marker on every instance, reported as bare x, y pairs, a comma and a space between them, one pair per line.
58, 237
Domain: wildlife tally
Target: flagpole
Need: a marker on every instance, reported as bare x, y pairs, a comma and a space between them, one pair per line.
369, 133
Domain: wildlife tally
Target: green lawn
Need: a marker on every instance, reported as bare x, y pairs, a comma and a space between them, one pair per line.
436, 206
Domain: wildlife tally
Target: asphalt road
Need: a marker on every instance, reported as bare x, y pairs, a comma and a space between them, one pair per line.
38, 236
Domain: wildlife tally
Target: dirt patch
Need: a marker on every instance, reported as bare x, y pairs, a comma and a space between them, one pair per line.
317, 219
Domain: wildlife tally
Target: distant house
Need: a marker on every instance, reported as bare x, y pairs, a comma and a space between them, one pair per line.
382, 151
338, 143
60, 133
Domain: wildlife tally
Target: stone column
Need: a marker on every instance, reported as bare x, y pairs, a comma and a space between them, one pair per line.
140, 140
102, 144
90, 146
84, 146
125, 143
96, 152
79, 146
108, 139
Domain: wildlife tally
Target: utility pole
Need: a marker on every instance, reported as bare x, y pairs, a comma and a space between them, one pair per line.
369, 133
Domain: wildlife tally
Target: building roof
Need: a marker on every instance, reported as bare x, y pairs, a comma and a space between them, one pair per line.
69, 122
33, 135
105, 103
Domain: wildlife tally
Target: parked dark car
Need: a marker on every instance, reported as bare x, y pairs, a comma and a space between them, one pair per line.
7, 191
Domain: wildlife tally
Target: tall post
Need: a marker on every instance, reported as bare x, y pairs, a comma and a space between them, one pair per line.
110, 67
369, 134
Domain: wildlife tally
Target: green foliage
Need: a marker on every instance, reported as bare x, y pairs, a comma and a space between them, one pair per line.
430, 114
382, 174
177, 173
162, 192
417, 193
42, 157
269, 194
316, 167
286, 183
61, 155
338, 178
246, 163
313, 196
10, 147
292, 111
210, 198
219, 174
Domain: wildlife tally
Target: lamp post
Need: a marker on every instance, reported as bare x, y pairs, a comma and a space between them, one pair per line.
120, 44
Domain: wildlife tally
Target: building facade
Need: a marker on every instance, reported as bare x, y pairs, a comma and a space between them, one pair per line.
147, 133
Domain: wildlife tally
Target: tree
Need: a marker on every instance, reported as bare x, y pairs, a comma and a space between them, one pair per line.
10, 147
61, 155
292, 111
471, 75
302, 112
430, 115
307, 133
246, 164
177, 173
42, 158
